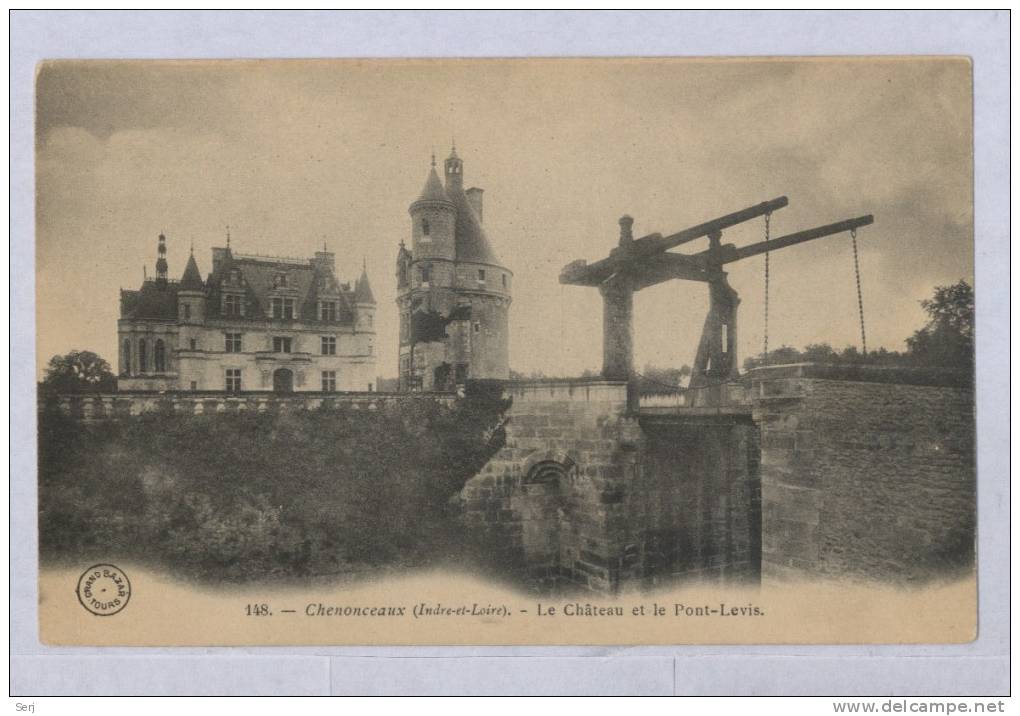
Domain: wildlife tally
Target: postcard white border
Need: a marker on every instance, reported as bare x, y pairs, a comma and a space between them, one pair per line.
981, 667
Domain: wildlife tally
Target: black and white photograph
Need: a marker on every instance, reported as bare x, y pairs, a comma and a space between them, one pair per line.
551, 351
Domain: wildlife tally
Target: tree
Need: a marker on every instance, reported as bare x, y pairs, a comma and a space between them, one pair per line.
78, 372
947, 341
653, 379
819, 353
783, 355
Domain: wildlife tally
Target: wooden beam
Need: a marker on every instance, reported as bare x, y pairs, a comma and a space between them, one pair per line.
581, 273
655, 242
665, 267
731, 255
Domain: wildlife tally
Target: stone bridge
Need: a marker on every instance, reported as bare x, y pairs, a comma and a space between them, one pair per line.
800, 471
793, 471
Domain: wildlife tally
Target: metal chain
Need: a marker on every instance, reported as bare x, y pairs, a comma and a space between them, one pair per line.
860, 299
765, 351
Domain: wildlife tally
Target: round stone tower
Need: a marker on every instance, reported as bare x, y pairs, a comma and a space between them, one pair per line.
453, 292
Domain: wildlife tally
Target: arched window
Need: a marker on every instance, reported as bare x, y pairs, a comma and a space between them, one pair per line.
159, 354
125, 363
143, 357
425, 228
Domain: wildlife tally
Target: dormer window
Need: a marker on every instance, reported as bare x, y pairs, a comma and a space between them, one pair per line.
280, 280
283, 308
233, 305
328, 311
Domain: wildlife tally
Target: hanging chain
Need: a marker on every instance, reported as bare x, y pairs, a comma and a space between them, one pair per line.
765, 351
860, 299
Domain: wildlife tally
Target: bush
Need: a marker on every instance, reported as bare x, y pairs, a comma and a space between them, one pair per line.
250, 495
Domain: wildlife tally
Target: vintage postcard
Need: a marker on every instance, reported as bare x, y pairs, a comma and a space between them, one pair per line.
565, 352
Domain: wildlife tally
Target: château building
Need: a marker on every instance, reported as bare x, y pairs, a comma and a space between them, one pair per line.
453, 292
256, 323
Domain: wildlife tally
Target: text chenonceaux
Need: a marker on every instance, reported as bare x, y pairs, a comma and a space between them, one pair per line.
567, 609
318, 609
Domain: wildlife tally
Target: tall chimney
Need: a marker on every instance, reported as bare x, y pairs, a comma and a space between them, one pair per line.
474, 197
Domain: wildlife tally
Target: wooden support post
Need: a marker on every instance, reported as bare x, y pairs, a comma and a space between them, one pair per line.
716, 360
617, 329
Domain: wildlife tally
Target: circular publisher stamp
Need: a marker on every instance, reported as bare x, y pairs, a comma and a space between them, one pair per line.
104, 589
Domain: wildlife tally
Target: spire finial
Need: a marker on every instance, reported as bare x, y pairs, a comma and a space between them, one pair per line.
364, 265
626, 231
192, 247
228, 236
161, 265
433, 157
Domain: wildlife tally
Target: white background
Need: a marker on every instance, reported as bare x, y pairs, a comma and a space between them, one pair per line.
980, 667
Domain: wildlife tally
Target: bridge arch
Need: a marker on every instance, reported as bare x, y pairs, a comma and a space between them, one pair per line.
545, 466
539, 500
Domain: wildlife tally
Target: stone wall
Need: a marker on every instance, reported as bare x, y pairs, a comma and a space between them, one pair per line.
583, 495
865, 478
125, 404
546, 501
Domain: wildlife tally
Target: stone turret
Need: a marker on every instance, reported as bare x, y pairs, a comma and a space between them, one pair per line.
453, 291
191, 294
364, 306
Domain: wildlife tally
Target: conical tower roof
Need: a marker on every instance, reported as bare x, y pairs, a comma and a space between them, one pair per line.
433, 189
362, 290
471, 242
192, 278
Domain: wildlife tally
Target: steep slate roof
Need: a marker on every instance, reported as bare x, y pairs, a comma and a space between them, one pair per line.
433, 189
470, 240
259, 275
157, 299
192, 278
362, 289
334, 291
154, 300
303, 283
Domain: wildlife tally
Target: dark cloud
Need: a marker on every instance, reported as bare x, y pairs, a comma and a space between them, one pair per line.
290, 152
106, 97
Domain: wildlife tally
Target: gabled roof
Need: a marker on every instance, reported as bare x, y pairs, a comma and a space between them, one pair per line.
258, 281
304, 283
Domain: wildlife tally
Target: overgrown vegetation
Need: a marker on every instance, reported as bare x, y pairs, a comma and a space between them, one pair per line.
946, 342
236, 497
78, 372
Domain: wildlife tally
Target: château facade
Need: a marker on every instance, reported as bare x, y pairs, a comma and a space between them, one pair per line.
453, 292
256, 323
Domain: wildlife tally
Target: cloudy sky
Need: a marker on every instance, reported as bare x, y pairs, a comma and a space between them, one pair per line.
292, 154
